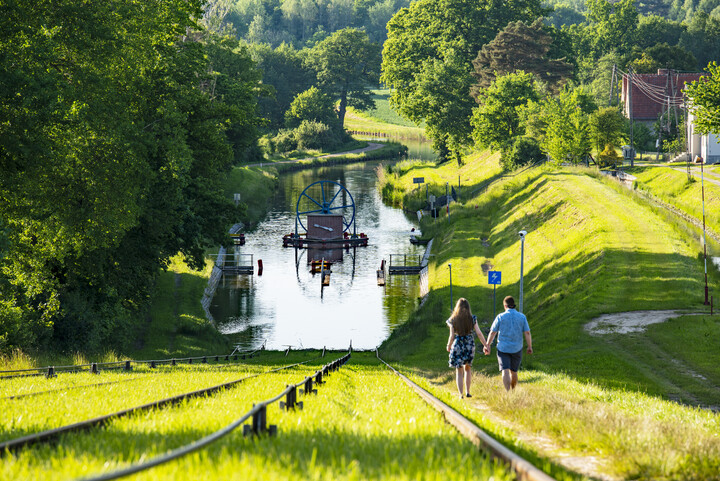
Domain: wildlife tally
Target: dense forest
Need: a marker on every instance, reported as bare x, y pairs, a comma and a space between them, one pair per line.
120, 119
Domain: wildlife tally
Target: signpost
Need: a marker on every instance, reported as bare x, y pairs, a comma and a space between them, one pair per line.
418, 180
494, 278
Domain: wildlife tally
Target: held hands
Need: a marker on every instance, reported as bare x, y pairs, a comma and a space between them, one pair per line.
486, 349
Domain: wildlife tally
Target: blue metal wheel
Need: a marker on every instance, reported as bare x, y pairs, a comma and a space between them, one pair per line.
326, 197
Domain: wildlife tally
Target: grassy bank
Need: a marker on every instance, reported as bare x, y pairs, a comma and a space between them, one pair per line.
390, 151
382, 120
593, 247
671, 185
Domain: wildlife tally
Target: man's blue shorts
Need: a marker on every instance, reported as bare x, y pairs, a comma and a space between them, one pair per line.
509, 361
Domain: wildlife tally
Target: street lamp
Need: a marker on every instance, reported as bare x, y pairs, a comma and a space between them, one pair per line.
522, 235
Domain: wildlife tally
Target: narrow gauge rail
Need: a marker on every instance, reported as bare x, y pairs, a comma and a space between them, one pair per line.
94, 367
70, 388
523, 469
53, 434
259, 423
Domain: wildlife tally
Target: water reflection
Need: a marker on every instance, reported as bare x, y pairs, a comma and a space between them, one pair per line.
287, 304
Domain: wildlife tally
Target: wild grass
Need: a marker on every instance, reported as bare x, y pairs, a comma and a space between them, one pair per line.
383, 119
59, 407
255, 186
176, 325
364, 423
383, 112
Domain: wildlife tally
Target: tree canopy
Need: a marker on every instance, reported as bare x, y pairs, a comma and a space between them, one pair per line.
431, 38
118, 121
519, 46
346, 64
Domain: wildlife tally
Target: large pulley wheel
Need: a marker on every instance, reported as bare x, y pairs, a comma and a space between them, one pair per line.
326, 197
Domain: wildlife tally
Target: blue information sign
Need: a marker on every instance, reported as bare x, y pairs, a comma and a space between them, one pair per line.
418, 180
495, 277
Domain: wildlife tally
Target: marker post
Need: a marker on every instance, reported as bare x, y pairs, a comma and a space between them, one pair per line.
494, 278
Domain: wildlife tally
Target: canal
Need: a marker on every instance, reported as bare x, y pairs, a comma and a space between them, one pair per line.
286, 305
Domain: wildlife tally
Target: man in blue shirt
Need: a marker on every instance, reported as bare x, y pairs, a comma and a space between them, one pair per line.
510, 326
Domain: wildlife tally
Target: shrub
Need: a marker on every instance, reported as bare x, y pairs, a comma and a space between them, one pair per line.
609, 158
284, 141
523, 151
315, 135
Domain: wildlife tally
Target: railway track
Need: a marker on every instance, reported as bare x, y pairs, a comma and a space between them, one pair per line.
52, 435
258, 426
521, 468
524, 470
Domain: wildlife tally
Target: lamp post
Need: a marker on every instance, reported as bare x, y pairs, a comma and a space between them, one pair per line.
451, 296
702, 188
522, 235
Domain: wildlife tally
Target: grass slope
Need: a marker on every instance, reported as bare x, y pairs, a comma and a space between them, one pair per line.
672, 186
592, 248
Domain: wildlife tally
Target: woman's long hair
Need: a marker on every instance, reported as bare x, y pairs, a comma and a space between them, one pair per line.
461, 318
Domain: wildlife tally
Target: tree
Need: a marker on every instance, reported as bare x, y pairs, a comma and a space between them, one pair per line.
496, 122
652, 30
702, 38
311, 105
663, 55
346, 64
522, 151
117, 132
284, 72
607, 127
519, 46
704, 96
448, 33
564, 15
567, 137
613, 25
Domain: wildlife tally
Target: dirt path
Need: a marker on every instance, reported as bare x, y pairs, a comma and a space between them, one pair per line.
682, 383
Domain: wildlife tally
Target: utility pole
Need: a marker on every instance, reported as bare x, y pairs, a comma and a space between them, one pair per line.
702, 183
630, 112
612, 84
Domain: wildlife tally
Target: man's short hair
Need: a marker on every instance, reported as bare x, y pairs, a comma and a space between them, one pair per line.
509, 301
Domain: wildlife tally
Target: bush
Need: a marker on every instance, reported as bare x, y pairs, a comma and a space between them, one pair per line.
609, 158
523, 151
315, 135
284, 141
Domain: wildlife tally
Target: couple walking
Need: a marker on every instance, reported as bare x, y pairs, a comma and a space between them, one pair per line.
509, 327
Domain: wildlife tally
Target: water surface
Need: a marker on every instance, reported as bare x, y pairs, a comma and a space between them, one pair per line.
287, 306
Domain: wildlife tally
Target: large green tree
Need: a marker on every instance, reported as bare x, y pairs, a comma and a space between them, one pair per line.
567, 133
347, 65
115, 132
519, 46
433, 37
607, 127
496, 121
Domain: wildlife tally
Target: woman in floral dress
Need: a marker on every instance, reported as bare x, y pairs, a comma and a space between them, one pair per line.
461, 343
